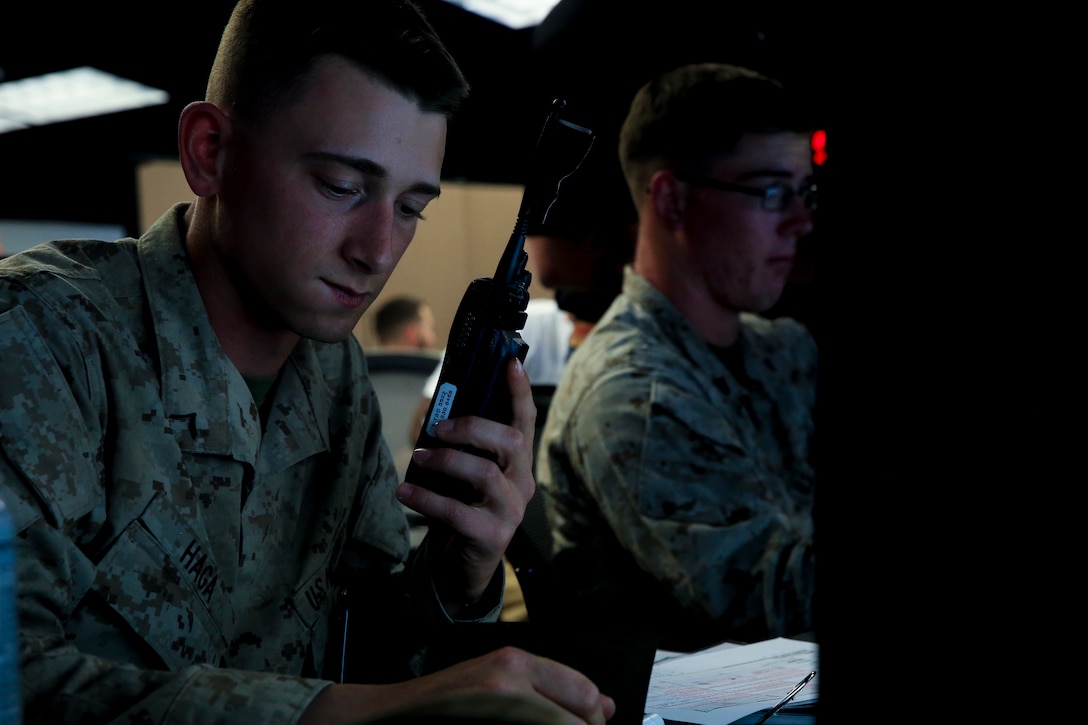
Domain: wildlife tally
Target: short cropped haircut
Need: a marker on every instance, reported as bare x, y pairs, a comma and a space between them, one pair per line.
268, 45
686, 118
391, 318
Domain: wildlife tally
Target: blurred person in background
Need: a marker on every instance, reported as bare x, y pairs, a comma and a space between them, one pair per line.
405, 323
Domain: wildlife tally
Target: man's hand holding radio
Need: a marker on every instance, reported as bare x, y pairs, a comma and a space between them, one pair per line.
478, 532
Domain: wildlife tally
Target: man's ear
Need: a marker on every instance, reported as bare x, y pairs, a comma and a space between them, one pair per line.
411, 334
202, 134
667, 197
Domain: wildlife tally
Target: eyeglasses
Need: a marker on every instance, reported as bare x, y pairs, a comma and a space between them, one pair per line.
775, 197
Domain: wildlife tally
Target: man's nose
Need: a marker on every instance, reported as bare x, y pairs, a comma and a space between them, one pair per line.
370, 240
799, 218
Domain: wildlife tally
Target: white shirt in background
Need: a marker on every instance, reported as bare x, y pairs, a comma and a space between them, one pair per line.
547, 331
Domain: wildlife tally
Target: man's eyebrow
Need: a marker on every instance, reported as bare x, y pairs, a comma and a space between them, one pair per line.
373, 168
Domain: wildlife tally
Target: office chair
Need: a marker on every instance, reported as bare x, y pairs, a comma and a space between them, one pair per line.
398, 379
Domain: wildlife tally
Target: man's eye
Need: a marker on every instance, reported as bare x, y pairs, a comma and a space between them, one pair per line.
411, 210
777, 197
339, 190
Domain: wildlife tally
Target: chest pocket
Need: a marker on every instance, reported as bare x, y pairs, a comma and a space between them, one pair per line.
161, 599
180, 600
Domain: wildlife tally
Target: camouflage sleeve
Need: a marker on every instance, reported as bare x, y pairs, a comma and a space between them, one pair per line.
685, 493
51, 425
75, 687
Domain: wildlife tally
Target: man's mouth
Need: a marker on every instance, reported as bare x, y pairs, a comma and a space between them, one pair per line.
347, 296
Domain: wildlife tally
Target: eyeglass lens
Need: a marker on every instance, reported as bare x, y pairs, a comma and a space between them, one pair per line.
780, 196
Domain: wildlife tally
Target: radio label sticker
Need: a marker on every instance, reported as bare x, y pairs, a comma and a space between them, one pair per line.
442, 404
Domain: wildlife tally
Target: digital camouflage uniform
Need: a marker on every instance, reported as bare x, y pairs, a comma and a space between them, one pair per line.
174, 563
679, 490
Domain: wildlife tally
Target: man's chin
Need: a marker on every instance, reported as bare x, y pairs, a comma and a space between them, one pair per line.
331, 338
327, 333
767, 303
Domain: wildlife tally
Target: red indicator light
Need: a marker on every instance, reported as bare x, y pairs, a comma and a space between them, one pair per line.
819, 147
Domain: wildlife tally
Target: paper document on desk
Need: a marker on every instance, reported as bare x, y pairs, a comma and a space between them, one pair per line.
721, 684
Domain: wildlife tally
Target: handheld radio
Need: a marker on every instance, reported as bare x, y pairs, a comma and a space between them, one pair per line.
485, 335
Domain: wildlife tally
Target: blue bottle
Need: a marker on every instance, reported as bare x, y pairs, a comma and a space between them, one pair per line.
10, 695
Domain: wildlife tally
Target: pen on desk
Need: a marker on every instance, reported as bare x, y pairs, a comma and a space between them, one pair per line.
789, 696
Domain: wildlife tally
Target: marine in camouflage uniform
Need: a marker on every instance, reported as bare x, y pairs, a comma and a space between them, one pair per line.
678, 481
171, 547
